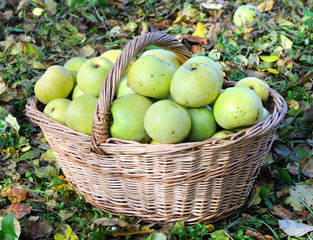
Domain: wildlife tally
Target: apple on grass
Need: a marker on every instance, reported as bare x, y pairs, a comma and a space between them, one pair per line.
56, 109
257, 85
56, 82
167, 122
237, 107
79, 114
208, 61
165, 54
91, 75
151, 76
246, 15
203, 124
128, 118
195, 85
73, 65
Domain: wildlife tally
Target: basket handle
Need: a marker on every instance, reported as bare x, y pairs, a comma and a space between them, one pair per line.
102, 115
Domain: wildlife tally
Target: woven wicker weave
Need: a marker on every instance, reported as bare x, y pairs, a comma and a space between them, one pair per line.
192, 182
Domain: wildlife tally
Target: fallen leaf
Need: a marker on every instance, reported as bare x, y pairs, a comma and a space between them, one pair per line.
214, 32
195, 39
214, 6
66, 214
51, 6
37, 11
293, 228
86, 51
39, 230
65, 232
285, 42
130, 27
12, 121
110, 222
282, 212
307, 166
220, 234
133, 231
266, 6
254, 197
300, 193
271, 58
164, 24
258, 235
15, 195
10, 227
201, 31
19, 210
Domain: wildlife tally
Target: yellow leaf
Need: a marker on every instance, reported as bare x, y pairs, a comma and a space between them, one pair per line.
283, 22
143, 230
271, 70
65, 232
272, 58
200, 31
266, 6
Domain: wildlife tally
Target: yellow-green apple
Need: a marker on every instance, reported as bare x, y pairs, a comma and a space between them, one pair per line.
195, 85
237, 107
153, 142
203, 124
91, 75
221, 133
77, 92
79, 113
56, 109
56, 82
111, 55
161, 53
167, 122
123, 88
151, 76
128, 117
246, 15
257, 85
208, 61
265, 114
73, 65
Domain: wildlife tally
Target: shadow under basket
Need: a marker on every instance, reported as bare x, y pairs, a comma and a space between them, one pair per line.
191, 182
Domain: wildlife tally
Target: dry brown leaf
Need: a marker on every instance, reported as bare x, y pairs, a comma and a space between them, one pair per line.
19, 210
282, 212
258, 235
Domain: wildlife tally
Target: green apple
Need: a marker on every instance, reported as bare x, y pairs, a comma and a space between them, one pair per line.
265, 114
195, 85
257, 85
73, 65
123, 88
167, 122
222, 133
203, 124
237, 107
246, 15
208, 61
91, 75
56, 109
56, 82
128, 118
79, 114
165, 54
151, 76
77, 92
111, 55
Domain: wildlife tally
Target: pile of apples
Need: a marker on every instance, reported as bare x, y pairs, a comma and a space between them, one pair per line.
158, 100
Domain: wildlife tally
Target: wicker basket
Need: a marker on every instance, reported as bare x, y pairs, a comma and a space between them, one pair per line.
192, 182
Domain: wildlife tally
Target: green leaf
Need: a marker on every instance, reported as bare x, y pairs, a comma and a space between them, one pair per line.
285, 175
29, 155
12, 122
7, 227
